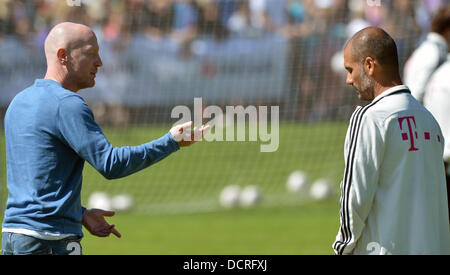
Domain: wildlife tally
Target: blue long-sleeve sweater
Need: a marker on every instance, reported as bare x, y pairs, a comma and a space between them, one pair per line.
50, 133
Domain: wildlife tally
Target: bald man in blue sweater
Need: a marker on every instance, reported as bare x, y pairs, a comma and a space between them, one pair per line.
50, 132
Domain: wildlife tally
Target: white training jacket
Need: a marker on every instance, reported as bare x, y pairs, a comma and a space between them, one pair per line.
423, 62
437, 100
394, 198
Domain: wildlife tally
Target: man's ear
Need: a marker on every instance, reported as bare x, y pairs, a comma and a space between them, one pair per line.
62, 56
369, 66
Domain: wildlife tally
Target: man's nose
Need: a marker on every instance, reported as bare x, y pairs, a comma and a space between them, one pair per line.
349, 80
99, 62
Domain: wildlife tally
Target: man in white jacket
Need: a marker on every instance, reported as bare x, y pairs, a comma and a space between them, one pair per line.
437, 100
393, 191
429, 55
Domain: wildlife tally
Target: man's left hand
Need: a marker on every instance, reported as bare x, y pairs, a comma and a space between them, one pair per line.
94, 221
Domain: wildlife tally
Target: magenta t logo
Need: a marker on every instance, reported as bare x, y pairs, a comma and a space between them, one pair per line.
411, 135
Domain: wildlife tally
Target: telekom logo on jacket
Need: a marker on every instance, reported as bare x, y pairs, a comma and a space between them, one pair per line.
411, 133
411, 136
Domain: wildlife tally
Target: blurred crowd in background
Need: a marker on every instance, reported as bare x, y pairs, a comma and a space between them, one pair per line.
183, 20
315, 29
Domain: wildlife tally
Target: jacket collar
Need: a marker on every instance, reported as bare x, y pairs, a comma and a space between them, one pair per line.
393, 90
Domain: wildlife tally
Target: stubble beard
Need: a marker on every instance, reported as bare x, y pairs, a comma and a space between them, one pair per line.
366, 89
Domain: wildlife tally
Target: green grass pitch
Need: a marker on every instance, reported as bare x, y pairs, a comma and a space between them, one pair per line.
197, 174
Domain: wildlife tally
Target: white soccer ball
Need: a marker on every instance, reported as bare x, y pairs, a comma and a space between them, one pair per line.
321, 189
229, 197
298, 181
100, 200
122, 202
250, 196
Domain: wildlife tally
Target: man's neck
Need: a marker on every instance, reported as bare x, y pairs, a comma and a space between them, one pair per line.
61, 79
382, 86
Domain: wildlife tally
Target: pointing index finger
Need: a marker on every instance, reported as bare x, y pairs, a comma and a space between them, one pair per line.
187, 125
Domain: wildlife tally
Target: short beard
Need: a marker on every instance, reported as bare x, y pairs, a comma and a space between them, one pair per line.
85, 83
367, 89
